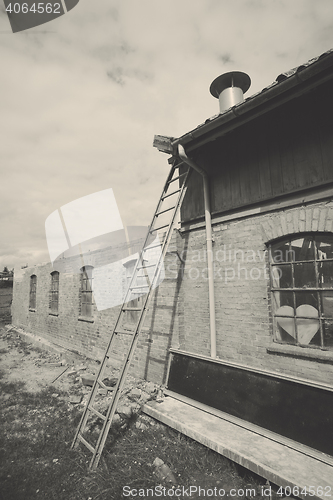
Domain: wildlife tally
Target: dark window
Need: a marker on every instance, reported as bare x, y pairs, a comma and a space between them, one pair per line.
33, 289
86, 296
301, 270
54, 292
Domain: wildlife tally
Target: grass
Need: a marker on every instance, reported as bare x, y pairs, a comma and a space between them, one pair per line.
37, 462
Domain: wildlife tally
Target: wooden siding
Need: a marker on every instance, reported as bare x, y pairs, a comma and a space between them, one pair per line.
287, 150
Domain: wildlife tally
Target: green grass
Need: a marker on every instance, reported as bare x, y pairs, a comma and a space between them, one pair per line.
37, 462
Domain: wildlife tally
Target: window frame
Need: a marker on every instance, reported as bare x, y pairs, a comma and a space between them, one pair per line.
131, 317
317, 291
33, 292
86, 293
54, 293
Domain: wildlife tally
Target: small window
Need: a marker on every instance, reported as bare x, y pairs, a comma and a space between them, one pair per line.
54, 292
33, 289
86, 295
132, 317
301, 271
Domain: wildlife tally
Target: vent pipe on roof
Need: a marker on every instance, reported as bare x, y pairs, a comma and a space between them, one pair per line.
229, 88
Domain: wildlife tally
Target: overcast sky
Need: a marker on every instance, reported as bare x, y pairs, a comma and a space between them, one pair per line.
83, 96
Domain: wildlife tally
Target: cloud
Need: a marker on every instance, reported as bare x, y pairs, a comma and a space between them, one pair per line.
80, 106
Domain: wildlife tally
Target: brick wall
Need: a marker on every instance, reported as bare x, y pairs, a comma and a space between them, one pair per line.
91, 337
244, 327
179, 310
6, 294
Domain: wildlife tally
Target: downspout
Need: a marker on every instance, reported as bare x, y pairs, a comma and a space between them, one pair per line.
209, 240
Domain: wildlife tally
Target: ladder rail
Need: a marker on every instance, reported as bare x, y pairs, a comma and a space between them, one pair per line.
152, 282
85, 415
126, 365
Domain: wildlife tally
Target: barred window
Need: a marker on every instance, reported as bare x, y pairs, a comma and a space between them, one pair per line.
86, 295
33, 290
54, 292
301, 271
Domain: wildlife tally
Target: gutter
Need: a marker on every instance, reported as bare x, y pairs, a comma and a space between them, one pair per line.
209, 242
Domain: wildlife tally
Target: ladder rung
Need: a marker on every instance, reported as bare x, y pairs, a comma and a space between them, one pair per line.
163, 211
86, 444
99, 415
103, 385
170, 194
161, 227
138, 286
132, 309
149, 265
151, 247
178, 177
124, 332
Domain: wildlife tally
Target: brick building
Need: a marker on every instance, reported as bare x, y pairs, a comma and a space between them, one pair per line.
253, 337
6, 294
259, 345
56, 304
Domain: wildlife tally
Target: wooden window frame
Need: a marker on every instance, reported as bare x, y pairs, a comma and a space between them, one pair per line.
54, 293
320, 291
33, 292
86, 293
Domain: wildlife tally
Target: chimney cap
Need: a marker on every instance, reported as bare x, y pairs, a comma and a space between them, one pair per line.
231, 79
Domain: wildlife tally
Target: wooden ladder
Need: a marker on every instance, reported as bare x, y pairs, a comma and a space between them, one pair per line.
150, 274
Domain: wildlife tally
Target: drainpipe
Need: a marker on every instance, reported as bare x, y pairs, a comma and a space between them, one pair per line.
208, 220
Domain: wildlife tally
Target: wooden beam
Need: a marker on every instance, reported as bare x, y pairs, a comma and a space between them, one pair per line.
163, 143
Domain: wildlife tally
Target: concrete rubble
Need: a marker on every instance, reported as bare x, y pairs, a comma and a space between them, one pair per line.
76, 374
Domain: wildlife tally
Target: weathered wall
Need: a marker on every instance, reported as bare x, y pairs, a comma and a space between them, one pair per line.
179, 310
244, 329
6, 294
90, 337
286, 150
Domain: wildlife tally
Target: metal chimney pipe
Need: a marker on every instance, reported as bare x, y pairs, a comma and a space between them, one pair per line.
229, 88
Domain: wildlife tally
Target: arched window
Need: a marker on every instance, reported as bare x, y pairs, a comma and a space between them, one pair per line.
86, 296
33, 290
301, 270
54, 292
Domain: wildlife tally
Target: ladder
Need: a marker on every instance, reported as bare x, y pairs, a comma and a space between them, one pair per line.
150, 272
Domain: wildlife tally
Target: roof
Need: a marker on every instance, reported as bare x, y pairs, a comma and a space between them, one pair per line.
287, 86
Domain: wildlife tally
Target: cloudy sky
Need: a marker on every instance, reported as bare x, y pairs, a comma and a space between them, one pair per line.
83, 96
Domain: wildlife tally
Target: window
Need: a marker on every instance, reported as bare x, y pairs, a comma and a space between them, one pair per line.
86, 296
32, 295
132, 317
54, 292
301, 271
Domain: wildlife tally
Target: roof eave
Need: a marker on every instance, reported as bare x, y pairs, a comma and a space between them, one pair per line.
302, 81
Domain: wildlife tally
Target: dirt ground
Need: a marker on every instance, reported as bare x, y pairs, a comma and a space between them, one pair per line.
40, 367
42, 396
67, 373
21, 361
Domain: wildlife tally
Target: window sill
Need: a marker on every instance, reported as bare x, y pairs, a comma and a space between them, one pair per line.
301, 352
86, 319
53, 314
31, 309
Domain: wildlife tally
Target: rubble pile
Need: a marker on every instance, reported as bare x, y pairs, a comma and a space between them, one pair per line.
73, 375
